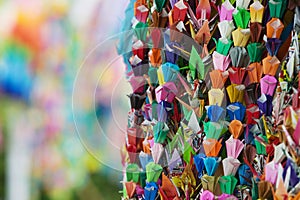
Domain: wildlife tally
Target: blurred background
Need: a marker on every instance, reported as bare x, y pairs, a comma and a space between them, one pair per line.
43, 45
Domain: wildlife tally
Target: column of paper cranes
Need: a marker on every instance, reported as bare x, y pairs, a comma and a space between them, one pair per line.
215, 101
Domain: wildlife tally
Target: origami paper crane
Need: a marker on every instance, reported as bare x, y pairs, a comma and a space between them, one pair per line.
242, 3
211, 164
241, 18
171, 52
226, 28
236, 111
203, 10
209, 182
157, 149
252, 114
217, 79
225, 11
188, 176
141, 30
159, 19
289, 170
199, 163
214, 130
220, 61
234, 147
256, 32
160, 130
274, 28
212, 147
236, 75
150, 191
270, 65
170, 71
230, 166
236, 128
223, 46
146, 146
255, 51
227, 184
161, 112
268, 85
174, 160
290, 65
245, 175
280, 152
215, 96
153, 172
179, 11
203, 35
133, 173
148, 112
260, 144
166, 92
207, 195
130, 188
277, 8
176, 31
145, 158
240, 37
159, 4
255, 72
196, 64
177, 141
152, 73
271, 171
155, 57
138, 84
138, 50
134, 137
215, 113
256, 12
265, 190
281, 191
168, 189
239, 56
235, 93
188, 151
141, 13
194, 123
139, 190
273, 45
265, 104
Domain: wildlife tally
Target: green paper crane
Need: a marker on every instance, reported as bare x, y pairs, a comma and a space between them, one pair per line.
153, 171
227, 184
160, 4
255, 51
242, 18
260, 147
141, 30
196, 65
133, 173
188, 150
222, 47
160, 130
214, 130
277, 8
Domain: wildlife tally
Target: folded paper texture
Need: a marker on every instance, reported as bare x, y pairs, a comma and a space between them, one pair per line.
214, 107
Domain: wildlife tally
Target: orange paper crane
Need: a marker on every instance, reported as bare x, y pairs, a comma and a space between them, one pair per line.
212, 147
236, 128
